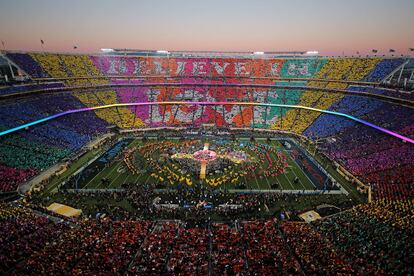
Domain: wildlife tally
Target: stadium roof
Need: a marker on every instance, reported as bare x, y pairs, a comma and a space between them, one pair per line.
204, 53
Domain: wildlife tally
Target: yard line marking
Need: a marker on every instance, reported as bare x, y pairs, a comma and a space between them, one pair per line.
110, 172
303, 172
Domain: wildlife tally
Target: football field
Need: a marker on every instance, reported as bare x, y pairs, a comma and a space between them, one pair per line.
294, 177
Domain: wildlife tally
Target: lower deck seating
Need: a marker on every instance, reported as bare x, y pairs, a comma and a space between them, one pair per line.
372, 238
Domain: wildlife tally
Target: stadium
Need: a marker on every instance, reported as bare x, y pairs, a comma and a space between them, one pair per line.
156, 162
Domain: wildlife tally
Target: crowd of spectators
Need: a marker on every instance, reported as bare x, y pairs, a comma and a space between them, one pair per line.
63, 66
328, 125
383, 68
335, 69
22, 233
73, 131
375, 238
34, 149
12, 177
372, 238
227, 253
28, 64
395, 213
151, 259
69, 66
266, 251
190, 253
316, 255
379, 160
91, 247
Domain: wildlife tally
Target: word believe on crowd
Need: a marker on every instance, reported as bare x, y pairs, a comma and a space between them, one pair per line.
209, 67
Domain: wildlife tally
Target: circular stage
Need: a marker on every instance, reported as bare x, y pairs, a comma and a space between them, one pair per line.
205, 155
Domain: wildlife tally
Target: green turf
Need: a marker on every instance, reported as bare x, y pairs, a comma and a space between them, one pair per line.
118, 174
56, 180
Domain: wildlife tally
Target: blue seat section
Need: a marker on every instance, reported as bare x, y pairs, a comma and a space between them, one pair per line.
28, 64
328, 125
383, 68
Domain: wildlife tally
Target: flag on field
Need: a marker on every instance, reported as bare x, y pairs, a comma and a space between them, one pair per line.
374, 51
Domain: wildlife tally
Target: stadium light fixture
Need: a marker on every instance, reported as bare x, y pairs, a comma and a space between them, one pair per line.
258, 53
162, 52
312, 52
107, 50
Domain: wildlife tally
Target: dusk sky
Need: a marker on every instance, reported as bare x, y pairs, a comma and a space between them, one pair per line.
329, 26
